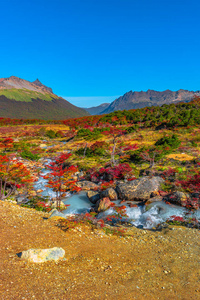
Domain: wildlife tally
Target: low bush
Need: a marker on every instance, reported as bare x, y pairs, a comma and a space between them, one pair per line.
120, 171
59, 134
96, 149
50, 134
27, 154
171, 142
92, 134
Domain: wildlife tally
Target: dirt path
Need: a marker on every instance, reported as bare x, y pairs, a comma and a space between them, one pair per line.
146, 265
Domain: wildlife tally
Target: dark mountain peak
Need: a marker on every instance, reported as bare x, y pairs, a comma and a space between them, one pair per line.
39, 83
129, 93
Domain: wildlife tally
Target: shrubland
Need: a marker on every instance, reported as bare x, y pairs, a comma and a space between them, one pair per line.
122, 145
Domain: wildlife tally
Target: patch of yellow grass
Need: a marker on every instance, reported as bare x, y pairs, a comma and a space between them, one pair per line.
56, 127
180, 157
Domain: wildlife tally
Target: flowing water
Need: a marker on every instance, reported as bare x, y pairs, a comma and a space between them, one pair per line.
149, 216
140, 216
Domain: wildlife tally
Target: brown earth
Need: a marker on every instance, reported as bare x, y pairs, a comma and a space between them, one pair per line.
143, 265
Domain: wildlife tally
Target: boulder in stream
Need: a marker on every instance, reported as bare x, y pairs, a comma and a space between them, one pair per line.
139, 189
154, 199
103, 204
110, 193
178, 198
184, 199
93, 196
87, 185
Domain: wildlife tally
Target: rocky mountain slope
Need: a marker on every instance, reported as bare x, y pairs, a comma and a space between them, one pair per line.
38, 83
20, 98
133, 100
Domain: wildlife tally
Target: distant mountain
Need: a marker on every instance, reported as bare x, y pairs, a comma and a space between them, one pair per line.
96, 110
23, 99
133, 100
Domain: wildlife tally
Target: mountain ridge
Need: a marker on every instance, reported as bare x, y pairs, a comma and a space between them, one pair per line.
20, 98
134, 100
19, 83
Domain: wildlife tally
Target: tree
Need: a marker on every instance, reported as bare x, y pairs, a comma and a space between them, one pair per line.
149, 156
13, 174
60, 176
115, 133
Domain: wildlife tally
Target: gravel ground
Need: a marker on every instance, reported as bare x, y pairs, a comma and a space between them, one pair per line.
143, 265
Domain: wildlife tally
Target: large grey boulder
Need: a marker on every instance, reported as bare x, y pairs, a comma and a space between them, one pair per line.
139, 189
42, 255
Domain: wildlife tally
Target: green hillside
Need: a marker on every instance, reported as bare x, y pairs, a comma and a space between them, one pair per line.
37, 106
26, 95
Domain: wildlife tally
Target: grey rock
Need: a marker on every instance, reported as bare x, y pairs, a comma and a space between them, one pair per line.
110, 193
93, 196
102, 205
178, 198
139, 189
22, 198
154, 199
55, 213
87, 185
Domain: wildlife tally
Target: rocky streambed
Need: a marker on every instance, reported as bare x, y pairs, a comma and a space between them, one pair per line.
139, 204
142, 203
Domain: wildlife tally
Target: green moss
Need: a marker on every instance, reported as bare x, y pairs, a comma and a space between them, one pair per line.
25, 95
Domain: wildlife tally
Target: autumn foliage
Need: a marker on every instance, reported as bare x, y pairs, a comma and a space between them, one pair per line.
60, 178
6, 143
108, 174
13, 174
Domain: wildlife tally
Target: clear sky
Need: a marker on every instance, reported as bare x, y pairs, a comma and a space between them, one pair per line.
101, 48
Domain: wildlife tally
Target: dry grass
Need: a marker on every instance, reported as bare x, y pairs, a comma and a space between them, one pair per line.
180, 157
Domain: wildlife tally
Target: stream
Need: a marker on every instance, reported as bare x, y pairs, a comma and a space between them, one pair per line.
141, 216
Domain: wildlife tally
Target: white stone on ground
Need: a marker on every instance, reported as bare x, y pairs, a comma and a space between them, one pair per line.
42, 255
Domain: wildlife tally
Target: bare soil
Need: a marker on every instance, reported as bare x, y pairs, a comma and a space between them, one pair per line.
142, 265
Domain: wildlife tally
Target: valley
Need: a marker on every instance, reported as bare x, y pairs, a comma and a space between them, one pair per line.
108, 163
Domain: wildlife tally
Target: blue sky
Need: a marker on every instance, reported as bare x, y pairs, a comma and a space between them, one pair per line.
101, 48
